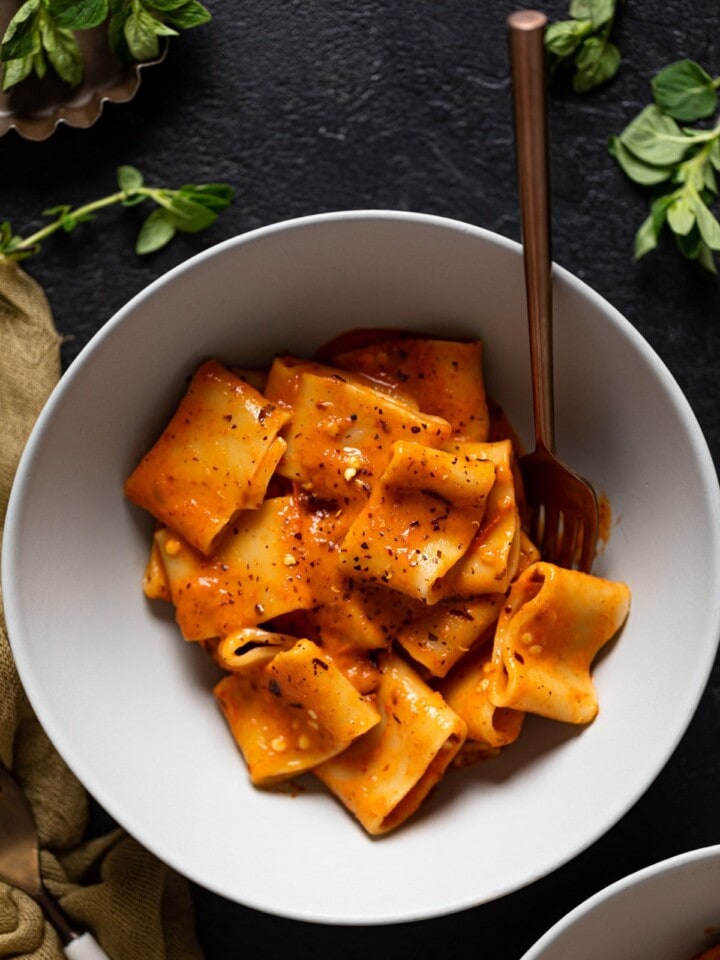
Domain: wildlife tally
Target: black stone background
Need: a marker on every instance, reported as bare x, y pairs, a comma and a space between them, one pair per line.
314, 105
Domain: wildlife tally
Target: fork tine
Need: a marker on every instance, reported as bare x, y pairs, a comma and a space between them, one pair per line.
531, 522
580, 553
548, 545
536, 524
566, 551
589, 532
563, 537
560, 511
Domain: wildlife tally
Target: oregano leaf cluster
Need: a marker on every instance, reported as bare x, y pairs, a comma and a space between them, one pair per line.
42, 34
678, 164
582, 46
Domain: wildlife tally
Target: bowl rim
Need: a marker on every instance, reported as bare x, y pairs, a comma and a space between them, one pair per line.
619, 888
12, 531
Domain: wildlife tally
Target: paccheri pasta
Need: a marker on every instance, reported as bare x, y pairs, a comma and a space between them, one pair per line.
343, 535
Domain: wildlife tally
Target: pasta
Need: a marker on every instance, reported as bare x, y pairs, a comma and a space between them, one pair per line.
215, 457
292, 710
420, 519
383, 777
343, 535
547, 635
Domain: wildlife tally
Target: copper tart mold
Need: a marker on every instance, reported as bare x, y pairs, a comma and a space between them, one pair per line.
35, 108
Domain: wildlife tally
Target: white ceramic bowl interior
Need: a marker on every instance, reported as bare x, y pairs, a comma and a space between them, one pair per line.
128, 703
668, 911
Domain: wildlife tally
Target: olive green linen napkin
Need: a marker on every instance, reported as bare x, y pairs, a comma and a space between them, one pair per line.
137, 908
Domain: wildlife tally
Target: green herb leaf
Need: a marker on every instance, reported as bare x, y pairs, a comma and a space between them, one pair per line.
599, 12
714, 153
78, 14
647, 174
140, 35
39, 63
133, 199
22, 37
655, 138
129, 178
163, 29
16, 70
681, 215
659, 209
186, 214
59, 211
190, 14
705, 258
5, 234
214, 196
709, 180
63, 51
646, 239
706, 221
116, 35
685, 91
597, 61
690, 244
163, 6
564, 37
9, 241
156, 231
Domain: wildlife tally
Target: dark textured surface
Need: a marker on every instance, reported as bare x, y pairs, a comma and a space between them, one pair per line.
310, 105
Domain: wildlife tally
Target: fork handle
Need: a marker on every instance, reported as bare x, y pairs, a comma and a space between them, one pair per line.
76, 946
85, 947
526, 30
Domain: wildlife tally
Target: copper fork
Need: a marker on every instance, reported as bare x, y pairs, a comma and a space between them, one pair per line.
561, 507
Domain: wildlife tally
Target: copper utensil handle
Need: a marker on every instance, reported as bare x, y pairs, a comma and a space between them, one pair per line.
527, 60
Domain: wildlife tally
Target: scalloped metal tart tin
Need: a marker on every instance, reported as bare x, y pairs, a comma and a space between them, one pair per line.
35, 108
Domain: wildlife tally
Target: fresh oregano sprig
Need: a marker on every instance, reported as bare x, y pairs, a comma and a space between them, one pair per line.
42, 33
679, 164
187, 209
582, 44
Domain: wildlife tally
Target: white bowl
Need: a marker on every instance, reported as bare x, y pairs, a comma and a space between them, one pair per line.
128, 704
668, 911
